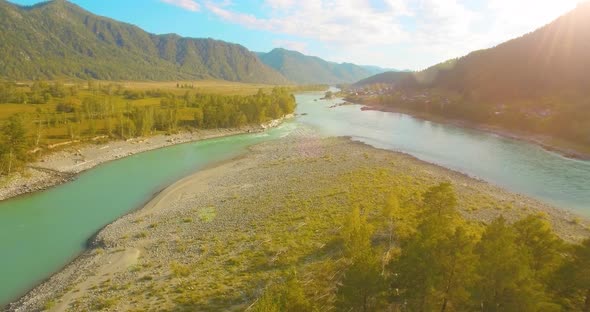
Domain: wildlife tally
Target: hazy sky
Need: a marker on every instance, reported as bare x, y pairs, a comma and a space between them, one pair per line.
402, 34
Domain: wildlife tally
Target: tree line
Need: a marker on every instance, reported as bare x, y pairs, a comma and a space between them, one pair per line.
38, 92
110, 110
403, 257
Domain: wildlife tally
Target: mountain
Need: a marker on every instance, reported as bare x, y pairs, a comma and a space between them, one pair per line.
59, 39
375, 70
538, 83
390, 77
549, 60
304, 69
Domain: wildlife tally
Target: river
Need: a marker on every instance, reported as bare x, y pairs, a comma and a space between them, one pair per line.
42, 232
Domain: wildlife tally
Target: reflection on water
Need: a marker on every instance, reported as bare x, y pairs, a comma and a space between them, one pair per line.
42, 232
518, 166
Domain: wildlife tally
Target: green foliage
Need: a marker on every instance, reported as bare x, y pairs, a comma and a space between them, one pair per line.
325, 245
287, 296
362, 281
356, 235
111, 110
59, 39
436, 266
13, 146
571, 281
217, 111
441, 202
543, 247
518, 267
506, 280
361, 285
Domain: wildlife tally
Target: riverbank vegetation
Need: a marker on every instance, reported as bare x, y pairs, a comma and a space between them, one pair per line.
556, 122
393, 253
316, 225
562, 118
40, 116
511, 85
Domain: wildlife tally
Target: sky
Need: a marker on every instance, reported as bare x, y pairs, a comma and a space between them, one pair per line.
400, 34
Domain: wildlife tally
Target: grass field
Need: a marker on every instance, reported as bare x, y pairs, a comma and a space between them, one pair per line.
202, 86
60, 131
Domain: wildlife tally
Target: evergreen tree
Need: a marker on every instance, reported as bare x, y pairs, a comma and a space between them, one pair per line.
436, 266
571, 282
506, 281
440, 202
362, 282
361, 285
544, 248
356, 235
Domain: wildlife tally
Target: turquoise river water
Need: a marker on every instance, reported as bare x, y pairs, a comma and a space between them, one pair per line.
42, 232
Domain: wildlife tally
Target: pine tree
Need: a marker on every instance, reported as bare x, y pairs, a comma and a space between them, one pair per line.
506, 281
436, 266
362, 283
571, 282
543, 247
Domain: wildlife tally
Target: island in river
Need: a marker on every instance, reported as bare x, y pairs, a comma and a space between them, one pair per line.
214, 240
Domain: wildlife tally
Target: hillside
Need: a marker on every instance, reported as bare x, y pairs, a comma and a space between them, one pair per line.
390, 77
538, 83
58, 39
375, 70
305, 69
549, 60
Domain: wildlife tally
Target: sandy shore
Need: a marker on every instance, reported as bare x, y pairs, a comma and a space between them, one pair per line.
62, 166
543, 141
206, 221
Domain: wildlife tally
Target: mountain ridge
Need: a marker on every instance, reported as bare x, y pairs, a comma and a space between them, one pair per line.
58, 39
306, 69
547, 59
537, 83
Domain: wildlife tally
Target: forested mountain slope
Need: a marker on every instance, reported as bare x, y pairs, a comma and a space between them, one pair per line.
390, 77
538, 83
59, 39
305, 69
552, 59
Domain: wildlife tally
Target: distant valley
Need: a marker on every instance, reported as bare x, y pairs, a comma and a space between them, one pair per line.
304, 69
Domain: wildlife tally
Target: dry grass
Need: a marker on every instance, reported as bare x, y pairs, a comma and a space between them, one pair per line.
7, 110
201, 86
214, 251
61, 132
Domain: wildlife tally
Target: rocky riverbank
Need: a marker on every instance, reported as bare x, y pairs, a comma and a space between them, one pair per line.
196, 243
62, 166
